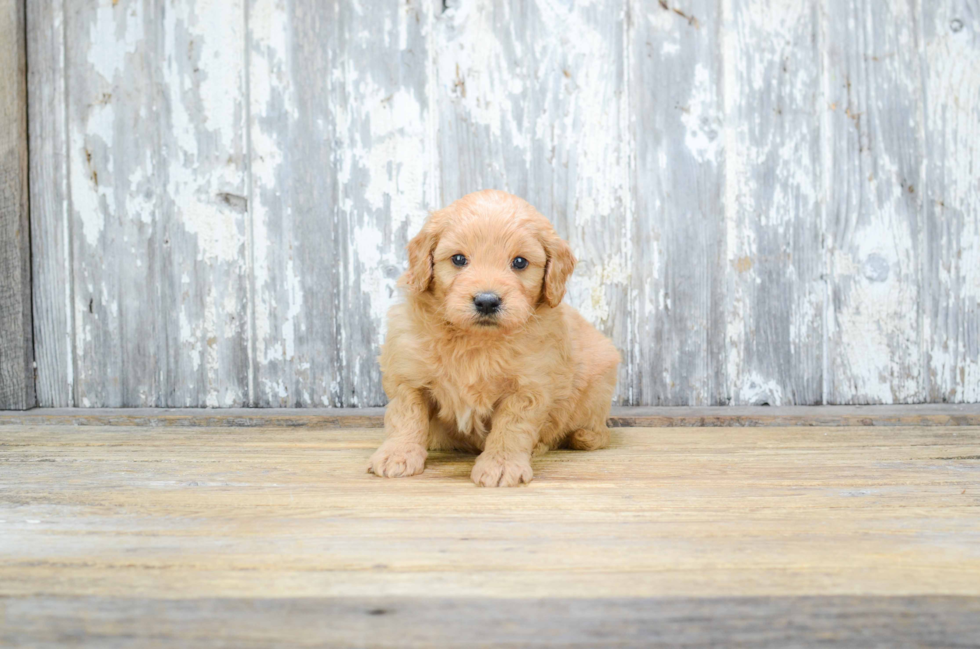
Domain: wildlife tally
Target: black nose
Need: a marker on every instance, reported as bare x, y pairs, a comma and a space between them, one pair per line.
487, 303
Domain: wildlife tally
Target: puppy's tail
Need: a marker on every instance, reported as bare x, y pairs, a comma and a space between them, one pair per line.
585, 439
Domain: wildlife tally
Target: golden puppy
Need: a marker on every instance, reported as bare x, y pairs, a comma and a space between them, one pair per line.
483, 356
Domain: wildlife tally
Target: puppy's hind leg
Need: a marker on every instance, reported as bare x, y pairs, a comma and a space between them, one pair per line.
593, 433
540, 449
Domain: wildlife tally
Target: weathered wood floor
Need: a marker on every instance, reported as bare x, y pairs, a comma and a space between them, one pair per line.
241, 537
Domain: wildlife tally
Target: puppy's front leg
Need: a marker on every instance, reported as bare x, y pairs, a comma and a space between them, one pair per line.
407, 427
514, 432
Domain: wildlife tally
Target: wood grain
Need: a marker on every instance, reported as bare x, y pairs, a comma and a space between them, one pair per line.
153, 149
294, 237
874, 170
339, 146
678, 288
777, 622
51, 225
177, 533
773, 347
950, 256
386, 165
772, 201
16, 329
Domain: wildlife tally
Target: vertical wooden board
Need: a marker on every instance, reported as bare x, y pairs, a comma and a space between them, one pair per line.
111, 129
295, 239
532, 100
340, 167
50, 226
386, 171
158, 199
678, 234
873, 185
775, 292
481, 80
951, 255
578, 152
16, 343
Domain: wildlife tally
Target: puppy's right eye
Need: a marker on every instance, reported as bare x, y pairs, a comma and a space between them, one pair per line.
459, 260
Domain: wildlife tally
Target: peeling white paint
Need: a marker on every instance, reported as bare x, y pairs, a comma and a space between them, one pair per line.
758, 390
394, 156
385, 181
220, 230
876, 344
210, 335
539, 102
190, 340
589, 292
774, 302
115, 34
952, 135
475, 69
295, 292
91, 182
270, 90
700, 117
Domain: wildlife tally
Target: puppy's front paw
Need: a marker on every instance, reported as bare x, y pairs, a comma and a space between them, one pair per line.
493, 470
397, 460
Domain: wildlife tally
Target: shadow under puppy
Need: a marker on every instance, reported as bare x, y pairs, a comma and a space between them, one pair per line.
483, 356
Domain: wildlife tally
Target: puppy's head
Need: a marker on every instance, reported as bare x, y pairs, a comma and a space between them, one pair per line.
488, 261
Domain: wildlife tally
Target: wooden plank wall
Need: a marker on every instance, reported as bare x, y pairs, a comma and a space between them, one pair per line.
773, 201
16, 330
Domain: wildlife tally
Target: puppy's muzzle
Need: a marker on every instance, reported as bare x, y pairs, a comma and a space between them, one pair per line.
487, 304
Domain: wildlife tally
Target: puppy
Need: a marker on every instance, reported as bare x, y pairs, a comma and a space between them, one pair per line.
483, 356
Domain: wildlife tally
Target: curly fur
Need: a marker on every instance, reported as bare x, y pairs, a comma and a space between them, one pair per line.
535, 378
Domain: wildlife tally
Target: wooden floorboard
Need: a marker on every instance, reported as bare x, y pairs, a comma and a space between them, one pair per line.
620, 417
238, 623
273, 536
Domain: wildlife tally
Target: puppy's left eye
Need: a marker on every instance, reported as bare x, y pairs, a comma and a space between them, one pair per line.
519, 263
459, 260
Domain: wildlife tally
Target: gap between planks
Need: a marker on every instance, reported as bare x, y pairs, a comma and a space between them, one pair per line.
621, 416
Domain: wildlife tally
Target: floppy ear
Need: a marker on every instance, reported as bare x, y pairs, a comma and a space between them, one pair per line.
420, 262
558, 268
